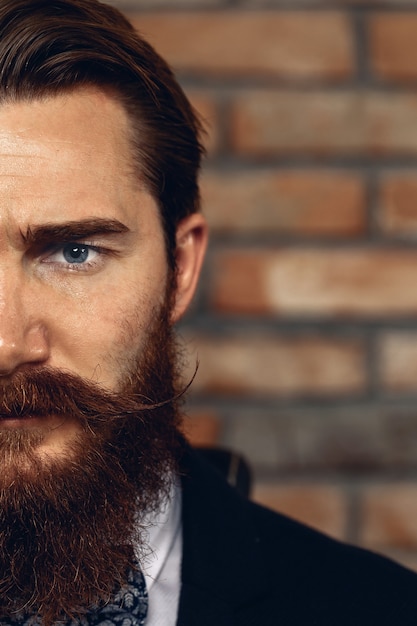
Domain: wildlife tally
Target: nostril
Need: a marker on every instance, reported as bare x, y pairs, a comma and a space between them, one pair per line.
36, 345
22, 347
6, 372
10, 357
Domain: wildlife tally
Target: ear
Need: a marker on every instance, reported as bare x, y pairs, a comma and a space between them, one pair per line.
191, 238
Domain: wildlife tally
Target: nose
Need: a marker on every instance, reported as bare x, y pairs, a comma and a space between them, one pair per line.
23, 337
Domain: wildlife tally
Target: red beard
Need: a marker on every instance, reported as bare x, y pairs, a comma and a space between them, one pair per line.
68, 524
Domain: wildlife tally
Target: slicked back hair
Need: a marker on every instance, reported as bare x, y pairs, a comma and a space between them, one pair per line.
48, 47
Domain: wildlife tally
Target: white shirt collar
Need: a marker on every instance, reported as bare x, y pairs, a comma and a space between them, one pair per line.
162, 566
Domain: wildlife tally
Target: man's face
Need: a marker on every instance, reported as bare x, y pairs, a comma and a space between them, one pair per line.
86, 308
82, 258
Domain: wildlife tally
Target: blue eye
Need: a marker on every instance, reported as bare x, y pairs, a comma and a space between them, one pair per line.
75, 253
75, 256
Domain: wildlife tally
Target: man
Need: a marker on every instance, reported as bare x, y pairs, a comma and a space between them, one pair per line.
106, 516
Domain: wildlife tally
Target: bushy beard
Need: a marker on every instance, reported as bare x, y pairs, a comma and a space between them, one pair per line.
68, 523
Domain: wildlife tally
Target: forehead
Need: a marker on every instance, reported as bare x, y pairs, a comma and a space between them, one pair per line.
68, 148
84, 117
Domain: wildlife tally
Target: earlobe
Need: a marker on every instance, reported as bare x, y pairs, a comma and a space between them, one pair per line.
191, 240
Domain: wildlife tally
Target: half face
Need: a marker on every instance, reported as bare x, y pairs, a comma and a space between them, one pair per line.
82, 257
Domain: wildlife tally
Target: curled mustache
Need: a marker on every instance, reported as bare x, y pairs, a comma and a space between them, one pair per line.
45, 391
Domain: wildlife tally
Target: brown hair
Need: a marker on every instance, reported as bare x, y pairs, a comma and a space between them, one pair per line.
50, 46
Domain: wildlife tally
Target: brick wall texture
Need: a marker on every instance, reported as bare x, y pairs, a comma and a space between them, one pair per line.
305, 324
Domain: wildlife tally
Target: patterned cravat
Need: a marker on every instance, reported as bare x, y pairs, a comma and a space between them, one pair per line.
128, 607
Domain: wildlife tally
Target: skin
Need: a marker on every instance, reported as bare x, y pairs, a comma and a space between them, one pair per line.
68, 192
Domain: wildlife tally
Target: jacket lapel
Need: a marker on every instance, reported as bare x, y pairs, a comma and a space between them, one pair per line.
222, 567
199, 607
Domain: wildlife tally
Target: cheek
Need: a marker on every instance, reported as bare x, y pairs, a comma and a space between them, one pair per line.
102, 338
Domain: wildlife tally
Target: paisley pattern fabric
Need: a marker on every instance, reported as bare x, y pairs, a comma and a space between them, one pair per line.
128, 607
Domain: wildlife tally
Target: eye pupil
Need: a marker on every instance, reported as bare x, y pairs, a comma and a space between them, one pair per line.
74, 253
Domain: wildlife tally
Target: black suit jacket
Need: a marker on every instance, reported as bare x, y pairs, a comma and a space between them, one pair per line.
244, 565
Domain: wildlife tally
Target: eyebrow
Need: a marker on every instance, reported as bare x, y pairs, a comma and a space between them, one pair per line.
72, 231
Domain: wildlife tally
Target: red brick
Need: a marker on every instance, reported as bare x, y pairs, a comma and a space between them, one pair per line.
201, 428
285, 202
276, 122
389, 516
397, 210
320, 506
405, 556
288, 44
398, 360
276, 366
337, 282
319, 4
393, 45
135, 5
337, 437
206, 108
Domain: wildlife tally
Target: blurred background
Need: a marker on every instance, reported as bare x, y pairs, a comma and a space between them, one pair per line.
305, 324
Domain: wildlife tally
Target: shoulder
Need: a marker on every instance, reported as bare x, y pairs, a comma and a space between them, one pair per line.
332, 578
298, 575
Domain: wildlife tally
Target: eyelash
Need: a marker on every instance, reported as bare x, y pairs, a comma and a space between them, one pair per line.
75, 267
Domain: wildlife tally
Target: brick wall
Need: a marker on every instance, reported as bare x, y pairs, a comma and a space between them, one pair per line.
305, 324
